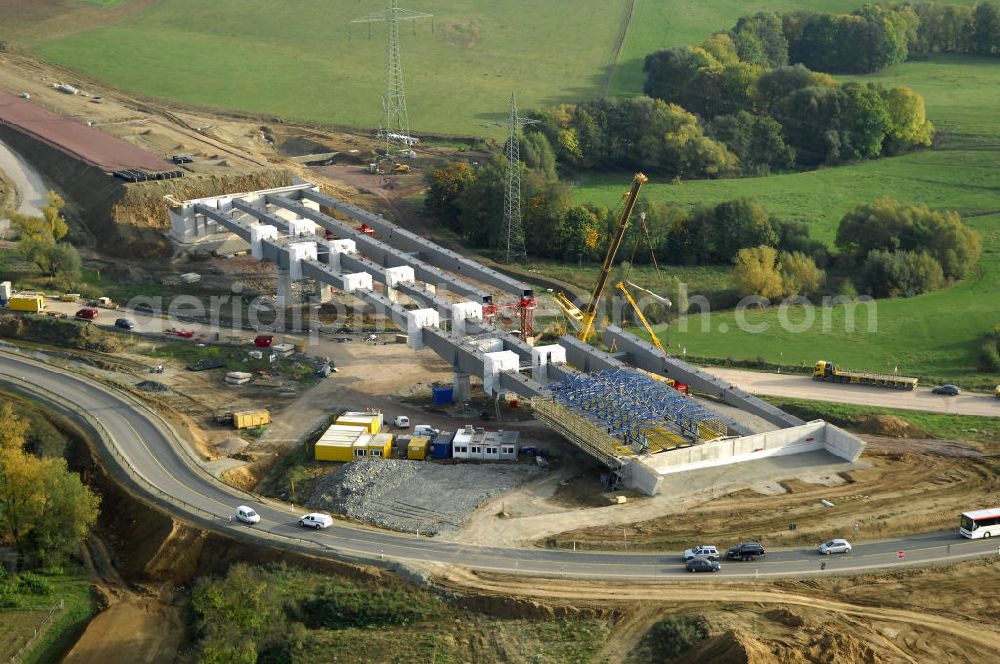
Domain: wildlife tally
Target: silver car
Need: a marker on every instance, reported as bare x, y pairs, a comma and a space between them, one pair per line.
704, 550
835, 546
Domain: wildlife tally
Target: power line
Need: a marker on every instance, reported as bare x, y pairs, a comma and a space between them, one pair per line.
394, 124
512, 193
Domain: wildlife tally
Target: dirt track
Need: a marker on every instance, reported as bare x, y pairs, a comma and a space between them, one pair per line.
143, 627
803, 387
903, 492
953, 617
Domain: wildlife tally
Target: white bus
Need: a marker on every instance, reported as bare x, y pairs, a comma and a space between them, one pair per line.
981, 523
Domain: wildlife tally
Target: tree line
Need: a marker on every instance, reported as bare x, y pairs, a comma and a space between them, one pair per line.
45, 510
470, 202
886, 249
775, 116
868, 39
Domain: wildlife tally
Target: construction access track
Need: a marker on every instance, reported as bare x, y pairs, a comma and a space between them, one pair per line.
147, 456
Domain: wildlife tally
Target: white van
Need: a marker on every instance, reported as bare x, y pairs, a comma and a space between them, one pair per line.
316, 520
401, 422
247, 515
425, 430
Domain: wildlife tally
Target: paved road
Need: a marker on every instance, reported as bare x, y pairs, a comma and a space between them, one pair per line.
166, 468
803, 387
25, 180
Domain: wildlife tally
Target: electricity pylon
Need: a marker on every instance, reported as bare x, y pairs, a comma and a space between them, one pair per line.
512, 193
394, 125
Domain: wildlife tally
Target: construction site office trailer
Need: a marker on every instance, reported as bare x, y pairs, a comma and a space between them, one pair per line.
372, 422
380, 445
417, 448
334, 451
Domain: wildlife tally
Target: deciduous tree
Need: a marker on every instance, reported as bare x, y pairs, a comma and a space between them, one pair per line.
799, 274
758, 272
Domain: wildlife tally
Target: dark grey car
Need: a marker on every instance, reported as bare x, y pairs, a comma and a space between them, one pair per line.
700, 564
746, 551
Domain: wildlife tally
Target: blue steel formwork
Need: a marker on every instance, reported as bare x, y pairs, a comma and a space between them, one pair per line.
628, 404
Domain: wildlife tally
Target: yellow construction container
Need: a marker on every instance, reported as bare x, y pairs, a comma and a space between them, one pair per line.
251, 418
31, 302
417, 449
335, 451
380, 445
372, 422
337, 443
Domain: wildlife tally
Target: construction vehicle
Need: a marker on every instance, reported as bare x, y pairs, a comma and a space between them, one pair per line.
584, 320
831, 373
400, 168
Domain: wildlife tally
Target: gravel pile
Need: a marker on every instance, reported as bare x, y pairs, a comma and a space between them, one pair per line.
415, 496
152, 386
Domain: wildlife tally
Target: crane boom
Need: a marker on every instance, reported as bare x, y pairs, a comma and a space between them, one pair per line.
590, 313
645, 323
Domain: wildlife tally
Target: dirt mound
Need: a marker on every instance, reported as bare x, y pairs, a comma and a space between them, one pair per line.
231, 446
66, 333
245, 477
786, 617
734, 647
840, 648
888, 425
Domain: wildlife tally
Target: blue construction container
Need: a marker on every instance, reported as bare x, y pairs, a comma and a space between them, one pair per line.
441, 446
442, 395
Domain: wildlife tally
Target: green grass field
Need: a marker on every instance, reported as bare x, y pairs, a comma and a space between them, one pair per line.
297, 61
304, 63
476, 54
934, 335
30, 610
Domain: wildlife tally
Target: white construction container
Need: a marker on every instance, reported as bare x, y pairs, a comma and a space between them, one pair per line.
485, 445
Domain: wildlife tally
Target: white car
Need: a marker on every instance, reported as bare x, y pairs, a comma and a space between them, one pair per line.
401, 422
316, 520
425, 430
835, 546
705, 551
247, 515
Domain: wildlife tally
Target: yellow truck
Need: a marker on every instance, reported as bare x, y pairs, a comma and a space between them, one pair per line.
829, 372
29, 302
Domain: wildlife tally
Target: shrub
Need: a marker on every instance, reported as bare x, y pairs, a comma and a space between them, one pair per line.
799, 274
900, 274
33, 584
989, 352
757, 272
890, 226
672, 636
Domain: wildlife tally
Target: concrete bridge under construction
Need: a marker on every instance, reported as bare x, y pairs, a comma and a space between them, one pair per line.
609, 405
